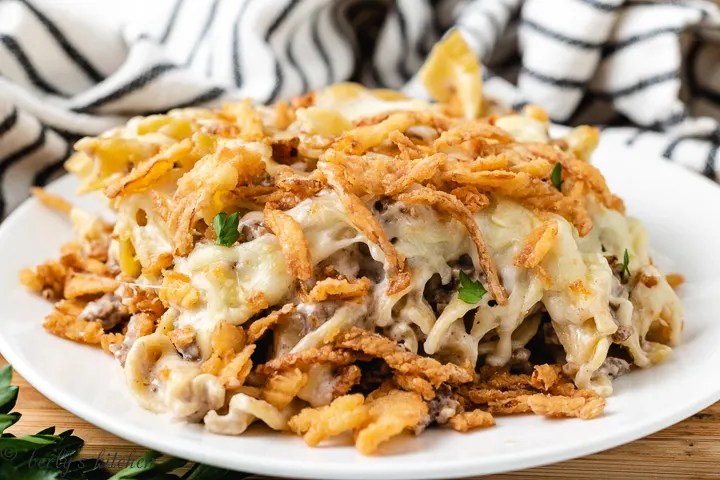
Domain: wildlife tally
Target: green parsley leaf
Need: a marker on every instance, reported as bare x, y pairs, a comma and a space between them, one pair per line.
5, 376
226, 228
556, 176
205, 472
8, 420
142, 464
146, 467
625, 269
470, 291
8, 393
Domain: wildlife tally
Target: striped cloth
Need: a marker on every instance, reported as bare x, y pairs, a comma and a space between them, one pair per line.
72, 68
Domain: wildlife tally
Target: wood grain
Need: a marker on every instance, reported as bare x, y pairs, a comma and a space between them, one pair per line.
690, 449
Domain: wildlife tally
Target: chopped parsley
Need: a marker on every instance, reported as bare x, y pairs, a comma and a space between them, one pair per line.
226, 228
556, 176
471, 291
625, 270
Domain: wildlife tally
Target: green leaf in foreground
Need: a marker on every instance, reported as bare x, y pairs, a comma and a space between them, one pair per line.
146, 467
206, 472
471, 291
556, 176
46, 456
8, 393
226, 228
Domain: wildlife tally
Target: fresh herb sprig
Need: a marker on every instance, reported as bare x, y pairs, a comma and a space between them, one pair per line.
470, 291
47, 456
226, 228
556, 176
625, 266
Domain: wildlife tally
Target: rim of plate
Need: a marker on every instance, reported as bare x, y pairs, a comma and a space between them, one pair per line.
296, 469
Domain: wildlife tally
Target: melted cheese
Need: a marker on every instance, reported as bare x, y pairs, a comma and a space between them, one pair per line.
578, 297
523, 128
235, 283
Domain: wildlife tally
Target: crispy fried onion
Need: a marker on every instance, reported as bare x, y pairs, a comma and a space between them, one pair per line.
312, 356
50, 200
454, 207
318, 424
293, 243
379, 174
550, 406
363, 219
283, 386
547, 392
339, 289
529, 190
479, 132
537, 245
230, 166
258, 328
63, 321
361, 139
465, 421
401, 360
347, 378
148, 172
580, 171
415, 384
230, 356
374, 421
471, 198
83, 284
389, 415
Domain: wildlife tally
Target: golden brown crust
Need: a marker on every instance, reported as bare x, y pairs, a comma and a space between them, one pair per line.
282, 387
305, 358
401, 360
544, 377
148, 172
466, 421
318, 424
415, 384
63, 321
338, 289
389, 415
258, 328
559, 406
537, 245
88, 284
177, 290
108, 340
347, 377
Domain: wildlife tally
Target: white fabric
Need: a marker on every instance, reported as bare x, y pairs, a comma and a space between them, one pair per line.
75, 68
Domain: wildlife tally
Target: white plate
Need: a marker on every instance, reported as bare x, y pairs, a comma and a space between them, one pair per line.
681, 210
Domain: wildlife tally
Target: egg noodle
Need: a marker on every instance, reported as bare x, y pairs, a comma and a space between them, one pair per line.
358, 260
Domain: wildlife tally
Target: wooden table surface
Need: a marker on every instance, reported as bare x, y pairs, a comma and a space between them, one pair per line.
690, 449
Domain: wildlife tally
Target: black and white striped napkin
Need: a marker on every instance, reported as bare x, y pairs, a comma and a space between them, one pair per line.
72, 68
